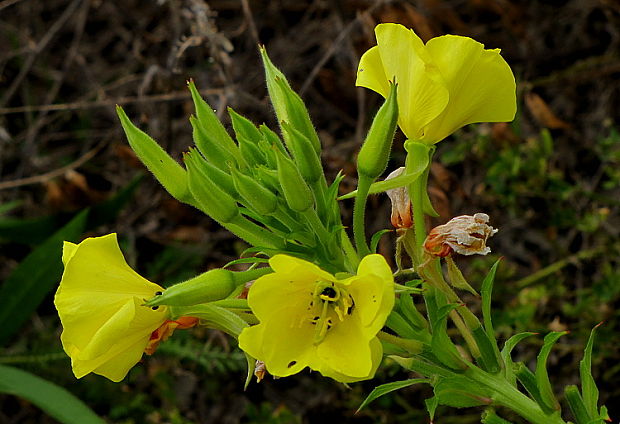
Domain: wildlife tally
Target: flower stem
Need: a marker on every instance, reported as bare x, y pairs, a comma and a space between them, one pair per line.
359, 210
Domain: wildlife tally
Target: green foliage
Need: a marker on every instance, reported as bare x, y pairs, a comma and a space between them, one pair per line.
390, 387
54, 400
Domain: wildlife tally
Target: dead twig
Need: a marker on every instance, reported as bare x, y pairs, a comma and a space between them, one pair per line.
41, 45
176, 95
36, 179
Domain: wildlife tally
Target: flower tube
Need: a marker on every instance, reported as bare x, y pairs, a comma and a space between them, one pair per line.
309, 318
443, 85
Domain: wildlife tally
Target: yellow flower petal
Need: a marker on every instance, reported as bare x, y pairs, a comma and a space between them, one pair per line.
265, 342
370, 72
346, 349
373, 292
480, 82
310, 318
99, 301
422, 94
376, 353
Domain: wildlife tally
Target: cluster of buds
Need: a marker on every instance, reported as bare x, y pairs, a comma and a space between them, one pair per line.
465, 234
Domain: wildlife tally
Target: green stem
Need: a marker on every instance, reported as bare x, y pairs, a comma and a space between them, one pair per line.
416, 193
411, 346
507, 395
359, 210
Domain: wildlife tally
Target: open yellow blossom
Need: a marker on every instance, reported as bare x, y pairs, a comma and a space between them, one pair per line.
100, 300
309, 318
443, 85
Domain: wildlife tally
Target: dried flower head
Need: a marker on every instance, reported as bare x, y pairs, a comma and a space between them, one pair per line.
401, 204
464, 234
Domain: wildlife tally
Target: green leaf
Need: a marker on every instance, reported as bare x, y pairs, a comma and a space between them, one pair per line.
576, 405
456, 277
390, 387
507, 350
57, 402
376, 237
528, 380
487, 342
589, 390
490, 417
441, 344
9, 206
35, 277
252, 260
542, 377
486, 290
431, 405
460, 392
405, 179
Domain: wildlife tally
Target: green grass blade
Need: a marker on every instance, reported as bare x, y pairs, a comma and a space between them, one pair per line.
35, 277
54, 400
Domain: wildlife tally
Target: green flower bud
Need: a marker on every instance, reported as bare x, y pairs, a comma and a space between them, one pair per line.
214, 152
288, 105
210, 286
213, 133
210, 198
248, 137
306, 158
254, 194
167, 171
272, 137
375, 152
268, 177
222, 179
298, 195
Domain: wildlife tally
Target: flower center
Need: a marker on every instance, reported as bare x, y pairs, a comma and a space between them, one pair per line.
330, 304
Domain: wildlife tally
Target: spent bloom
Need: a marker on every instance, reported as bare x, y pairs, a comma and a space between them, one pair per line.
106, 327
401, 203
443, 85
464, 234
310, 318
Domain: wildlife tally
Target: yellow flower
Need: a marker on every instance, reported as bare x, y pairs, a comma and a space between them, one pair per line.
100, 300
450, 82
309, 318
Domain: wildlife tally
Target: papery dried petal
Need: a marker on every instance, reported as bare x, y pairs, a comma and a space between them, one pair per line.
401, 204
464, 234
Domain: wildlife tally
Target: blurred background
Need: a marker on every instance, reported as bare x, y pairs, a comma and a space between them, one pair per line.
550, 181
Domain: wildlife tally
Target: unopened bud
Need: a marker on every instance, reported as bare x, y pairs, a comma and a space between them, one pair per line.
254, 195
210, 286
296, 192
401, 204
464, 234
375, 152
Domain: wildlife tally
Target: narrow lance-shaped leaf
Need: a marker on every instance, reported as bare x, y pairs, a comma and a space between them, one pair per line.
29, 283
417, 162
542, 376
57, 402
506, 355
576, 405
589, 390
384, 389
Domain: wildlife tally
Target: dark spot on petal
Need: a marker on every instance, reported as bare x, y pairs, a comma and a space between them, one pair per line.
155, 308
292, 363
158, 293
